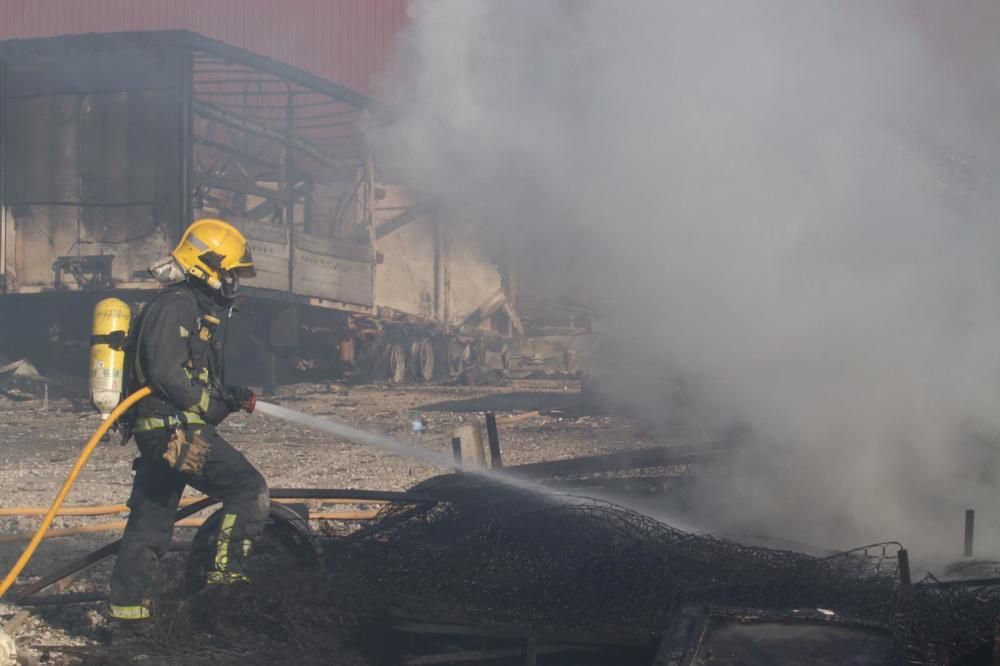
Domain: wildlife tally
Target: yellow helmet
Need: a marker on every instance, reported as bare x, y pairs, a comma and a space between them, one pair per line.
211, 250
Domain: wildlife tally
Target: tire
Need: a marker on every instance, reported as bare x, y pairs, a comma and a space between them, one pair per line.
422, 359
287, 543
395, 363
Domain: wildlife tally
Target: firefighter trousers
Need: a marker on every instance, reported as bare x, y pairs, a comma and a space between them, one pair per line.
156, 492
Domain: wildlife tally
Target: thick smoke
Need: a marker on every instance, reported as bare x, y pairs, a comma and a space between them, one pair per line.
783, 211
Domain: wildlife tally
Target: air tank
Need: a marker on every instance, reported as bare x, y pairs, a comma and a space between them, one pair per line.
107, 353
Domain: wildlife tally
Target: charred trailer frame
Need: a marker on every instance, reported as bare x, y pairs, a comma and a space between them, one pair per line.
112, 144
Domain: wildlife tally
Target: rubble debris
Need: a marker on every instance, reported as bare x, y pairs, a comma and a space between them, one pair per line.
20, 380
8, 650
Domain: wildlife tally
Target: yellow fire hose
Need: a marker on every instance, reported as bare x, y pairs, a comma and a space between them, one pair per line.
95, 439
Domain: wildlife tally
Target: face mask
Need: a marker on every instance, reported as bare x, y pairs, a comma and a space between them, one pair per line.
167, 271
230, 289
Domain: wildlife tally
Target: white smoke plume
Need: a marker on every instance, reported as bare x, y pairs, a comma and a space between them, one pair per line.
784, 212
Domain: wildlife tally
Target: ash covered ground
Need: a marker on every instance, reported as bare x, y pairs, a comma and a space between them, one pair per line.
38, 447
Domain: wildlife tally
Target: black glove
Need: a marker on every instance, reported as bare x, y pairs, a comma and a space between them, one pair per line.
240, 397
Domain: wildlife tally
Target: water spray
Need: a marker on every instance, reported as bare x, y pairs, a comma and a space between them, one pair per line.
398, 447
395, 446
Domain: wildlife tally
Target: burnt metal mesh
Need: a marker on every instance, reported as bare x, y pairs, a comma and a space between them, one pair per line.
487, 554
496, 554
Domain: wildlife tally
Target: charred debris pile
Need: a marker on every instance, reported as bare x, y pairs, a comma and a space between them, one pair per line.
489, 574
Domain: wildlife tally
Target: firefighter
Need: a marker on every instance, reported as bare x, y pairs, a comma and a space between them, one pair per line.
173, 350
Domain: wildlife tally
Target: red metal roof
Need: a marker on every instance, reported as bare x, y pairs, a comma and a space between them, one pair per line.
346, 41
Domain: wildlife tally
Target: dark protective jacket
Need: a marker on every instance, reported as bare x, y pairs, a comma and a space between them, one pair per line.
175, 353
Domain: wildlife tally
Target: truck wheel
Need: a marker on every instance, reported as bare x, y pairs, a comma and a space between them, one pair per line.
422, 359
395, 363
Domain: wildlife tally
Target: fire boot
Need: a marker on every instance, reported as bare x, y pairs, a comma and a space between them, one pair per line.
230, 555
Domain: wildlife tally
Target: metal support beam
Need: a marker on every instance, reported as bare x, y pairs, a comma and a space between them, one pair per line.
241, 186
369, 204
237, 154
411, 214
213, 112
270, 207
287, 168
185, 90
280, 70
3, 178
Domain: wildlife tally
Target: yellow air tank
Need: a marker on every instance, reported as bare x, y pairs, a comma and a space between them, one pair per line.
107, 353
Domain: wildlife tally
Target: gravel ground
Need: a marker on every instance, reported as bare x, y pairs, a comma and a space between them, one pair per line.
39, 442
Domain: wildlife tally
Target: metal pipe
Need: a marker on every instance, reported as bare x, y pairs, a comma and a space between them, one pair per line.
88, 529
114, 525
110, 509
100, 554
93, 558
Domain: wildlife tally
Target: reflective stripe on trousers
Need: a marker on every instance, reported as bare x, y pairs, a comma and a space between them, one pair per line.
222, 545
128, 612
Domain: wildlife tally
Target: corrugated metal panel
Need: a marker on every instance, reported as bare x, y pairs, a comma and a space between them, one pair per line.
346, 41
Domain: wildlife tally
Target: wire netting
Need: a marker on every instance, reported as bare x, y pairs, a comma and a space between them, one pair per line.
487, 554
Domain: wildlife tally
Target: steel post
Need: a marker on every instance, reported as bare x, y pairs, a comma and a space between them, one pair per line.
970, 527
904, 567
496, 462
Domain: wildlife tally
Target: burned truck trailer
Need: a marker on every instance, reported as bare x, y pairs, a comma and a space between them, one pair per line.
112, 144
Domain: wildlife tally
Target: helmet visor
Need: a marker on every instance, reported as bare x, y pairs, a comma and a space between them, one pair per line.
244, 267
